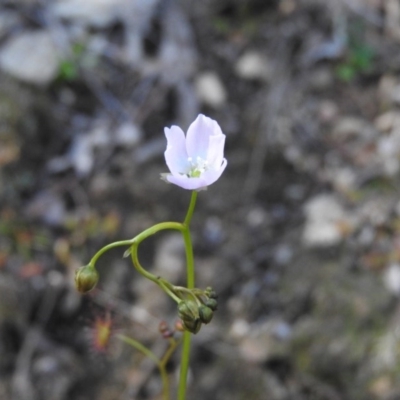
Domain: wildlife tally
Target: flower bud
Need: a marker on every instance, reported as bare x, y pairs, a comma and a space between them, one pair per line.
179, 326
193, 325
209, 292
206, 314
211, 303
86, 278
188, 309
189, 313
164, 330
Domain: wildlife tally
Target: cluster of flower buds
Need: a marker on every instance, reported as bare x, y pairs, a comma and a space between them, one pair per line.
197, 309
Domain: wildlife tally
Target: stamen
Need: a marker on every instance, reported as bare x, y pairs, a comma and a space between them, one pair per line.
197, 168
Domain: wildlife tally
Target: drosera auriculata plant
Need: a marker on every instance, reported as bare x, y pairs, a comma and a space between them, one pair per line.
195, 161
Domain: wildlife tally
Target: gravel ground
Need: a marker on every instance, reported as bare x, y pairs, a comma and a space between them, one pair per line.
300, 237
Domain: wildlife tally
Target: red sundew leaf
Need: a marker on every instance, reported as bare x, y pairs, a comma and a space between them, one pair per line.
375, 260
101, 333
30, 270
24, 237
3, 259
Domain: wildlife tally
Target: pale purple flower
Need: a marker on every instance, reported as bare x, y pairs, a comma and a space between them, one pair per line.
197, 160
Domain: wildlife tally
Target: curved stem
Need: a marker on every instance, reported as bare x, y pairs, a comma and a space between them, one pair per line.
160, 363
173, 344
184, 368
139, 346
157, 228
137, 239
164, 285
134, 252
109, 247
137, 265
167, 290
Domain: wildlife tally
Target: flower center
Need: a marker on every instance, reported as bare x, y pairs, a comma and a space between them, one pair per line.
197, 167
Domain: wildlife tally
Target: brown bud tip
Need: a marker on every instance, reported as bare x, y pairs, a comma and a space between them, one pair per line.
86, 278
167, 334
179, 326
163, 327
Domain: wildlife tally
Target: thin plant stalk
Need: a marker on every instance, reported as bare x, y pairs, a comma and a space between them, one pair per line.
184, 367
161, 364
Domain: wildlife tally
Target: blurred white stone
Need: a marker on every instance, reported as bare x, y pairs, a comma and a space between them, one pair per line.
350, 126
256, 217
376, 210
81, 155
99, 13
366, 236
283, 254
31, 57
169, 258
326, 221
48, 207
395, 95
386, 350
321, 234
322, 78
210, 89
177, 54
102, 13
385, 89
128, 134
344, 179
387, 121
239, 329
265, 341
391, 278
388, 148
252, 65
328, 111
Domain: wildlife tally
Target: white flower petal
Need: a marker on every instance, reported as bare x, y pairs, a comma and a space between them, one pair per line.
216, 151
212, 175
187, 183
176, 156
197, 138
196, 161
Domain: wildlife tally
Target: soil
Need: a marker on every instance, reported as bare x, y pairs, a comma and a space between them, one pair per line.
300, 237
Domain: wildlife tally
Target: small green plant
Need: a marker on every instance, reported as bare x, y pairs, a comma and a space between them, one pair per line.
360, 55
69, 67
195, 162
359, 60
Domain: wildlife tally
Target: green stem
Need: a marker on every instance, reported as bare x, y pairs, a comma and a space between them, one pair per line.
140, 347
192, 205
184, 367
137, 239
164, 285
160, 363
173, 344
109, 247
137, 265
157, 228
134, 252
144, 235
167, 290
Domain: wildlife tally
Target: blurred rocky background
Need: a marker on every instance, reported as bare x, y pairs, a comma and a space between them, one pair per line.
300, 237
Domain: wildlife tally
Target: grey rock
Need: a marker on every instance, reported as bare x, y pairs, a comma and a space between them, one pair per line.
31, 57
